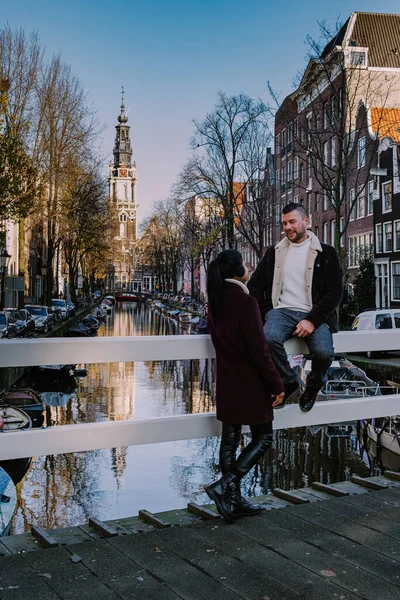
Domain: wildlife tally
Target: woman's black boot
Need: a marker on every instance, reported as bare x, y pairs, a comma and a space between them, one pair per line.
221, 493
242, 507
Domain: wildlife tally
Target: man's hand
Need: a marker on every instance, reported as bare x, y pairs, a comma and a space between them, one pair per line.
304, 328
278, 399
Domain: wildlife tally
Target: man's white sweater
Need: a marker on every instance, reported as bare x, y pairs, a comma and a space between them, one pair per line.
294, 288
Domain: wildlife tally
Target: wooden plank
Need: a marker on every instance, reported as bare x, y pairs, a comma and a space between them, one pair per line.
51, 351
69, 535
329, 489
321, 561
83, 437
335, 516
368, 483
67, 578
291, 496
120, 573
201, 511
236, 542
101, 528
184, 579
43, 537
152, 519
237, 575
337, 544
19, 580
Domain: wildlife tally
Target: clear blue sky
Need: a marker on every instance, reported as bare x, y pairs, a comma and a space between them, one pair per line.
172, 58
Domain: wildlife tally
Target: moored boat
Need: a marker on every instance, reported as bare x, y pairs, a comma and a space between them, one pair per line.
14, 418
8, 502
185, 318
126, 297
27, 400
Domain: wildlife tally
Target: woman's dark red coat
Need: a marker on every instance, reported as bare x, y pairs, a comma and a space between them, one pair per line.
246, 375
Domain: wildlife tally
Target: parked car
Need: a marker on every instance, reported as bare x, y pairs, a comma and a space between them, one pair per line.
44, 319
70, 308
23, 320
59, 306
8, 326
370, 320
77, 330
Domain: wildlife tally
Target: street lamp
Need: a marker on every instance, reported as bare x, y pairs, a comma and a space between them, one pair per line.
4, 262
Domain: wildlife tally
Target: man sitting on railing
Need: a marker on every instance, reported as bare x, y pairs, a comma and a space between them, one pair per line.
299, 285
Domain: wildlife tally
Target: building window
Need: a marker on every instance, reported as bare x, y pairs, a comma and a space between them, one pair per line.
333, 151
283, 180
387, 196
370, 200
334, 109
309, 204
326, 154
309, 132
325, 230
361, 152
309, 165
290, 171
397, 236
361, 202
359, 246
326, 201
352, 206
277, 144
396, 280
351, 252
326, 115
387, 237
296, 168
333, 230
357, 58
341, 231
290, 138
378, 238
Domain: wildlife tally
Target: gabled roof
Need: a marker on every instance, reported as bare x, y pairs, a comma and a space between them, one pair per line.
385, 122
378, 32
381, 34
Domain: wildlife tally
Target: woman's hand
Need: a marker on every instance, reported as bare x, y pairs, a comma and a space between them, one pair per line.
278, 400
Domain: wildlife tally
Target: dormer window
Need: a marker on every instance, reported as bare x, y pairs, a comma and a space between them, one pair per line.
358, 59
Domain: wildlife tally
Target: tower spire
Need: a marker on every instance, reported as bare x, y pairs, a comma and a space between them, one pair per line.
122, 117
122, 148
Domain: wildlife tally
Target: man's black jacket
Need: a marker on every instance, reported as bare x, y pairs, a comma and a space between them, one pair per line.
326, 292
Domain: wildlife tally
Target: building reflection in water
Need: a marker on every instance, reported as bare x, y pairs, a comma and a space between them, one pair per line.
114, 483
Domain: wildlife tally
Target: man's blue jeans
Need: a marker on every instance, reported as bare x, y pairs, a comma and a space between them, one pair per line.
279, 327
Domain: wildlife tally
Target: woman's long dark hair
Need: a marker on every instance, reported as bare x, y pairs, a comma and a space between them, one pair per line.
228, 264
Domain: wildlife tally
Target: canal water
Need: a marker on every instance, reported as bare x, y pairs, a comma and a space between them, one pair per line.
108, 484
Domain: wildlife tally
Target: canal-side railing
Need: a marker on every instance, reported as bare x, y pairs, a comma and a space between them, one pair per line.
110, 434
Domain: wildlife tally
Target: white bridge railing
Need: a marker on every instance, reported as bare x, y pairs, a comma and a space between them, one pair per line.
93, 436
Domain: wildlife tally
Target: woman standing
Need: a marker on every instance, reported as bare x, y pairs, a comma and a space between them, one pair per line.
246, 378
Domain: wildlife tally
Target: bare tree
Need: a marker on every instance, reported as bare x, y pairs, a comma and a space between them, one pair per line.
66, 131
163, 250
86, 220
219, 168
21, 58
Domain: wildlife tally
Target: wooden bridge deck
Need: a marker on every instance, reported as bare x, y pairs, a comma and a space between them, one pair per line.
316, 547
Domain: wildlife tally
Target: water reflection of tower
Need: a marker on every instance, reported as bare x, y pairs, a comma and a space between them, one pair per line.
118, 382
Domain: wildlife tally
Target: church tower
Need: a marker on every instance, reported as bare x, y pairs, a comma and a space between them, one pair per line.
122, 191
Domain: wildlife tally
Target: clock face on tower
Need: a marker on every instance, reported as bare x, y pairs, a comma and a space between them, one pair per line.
123, 172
